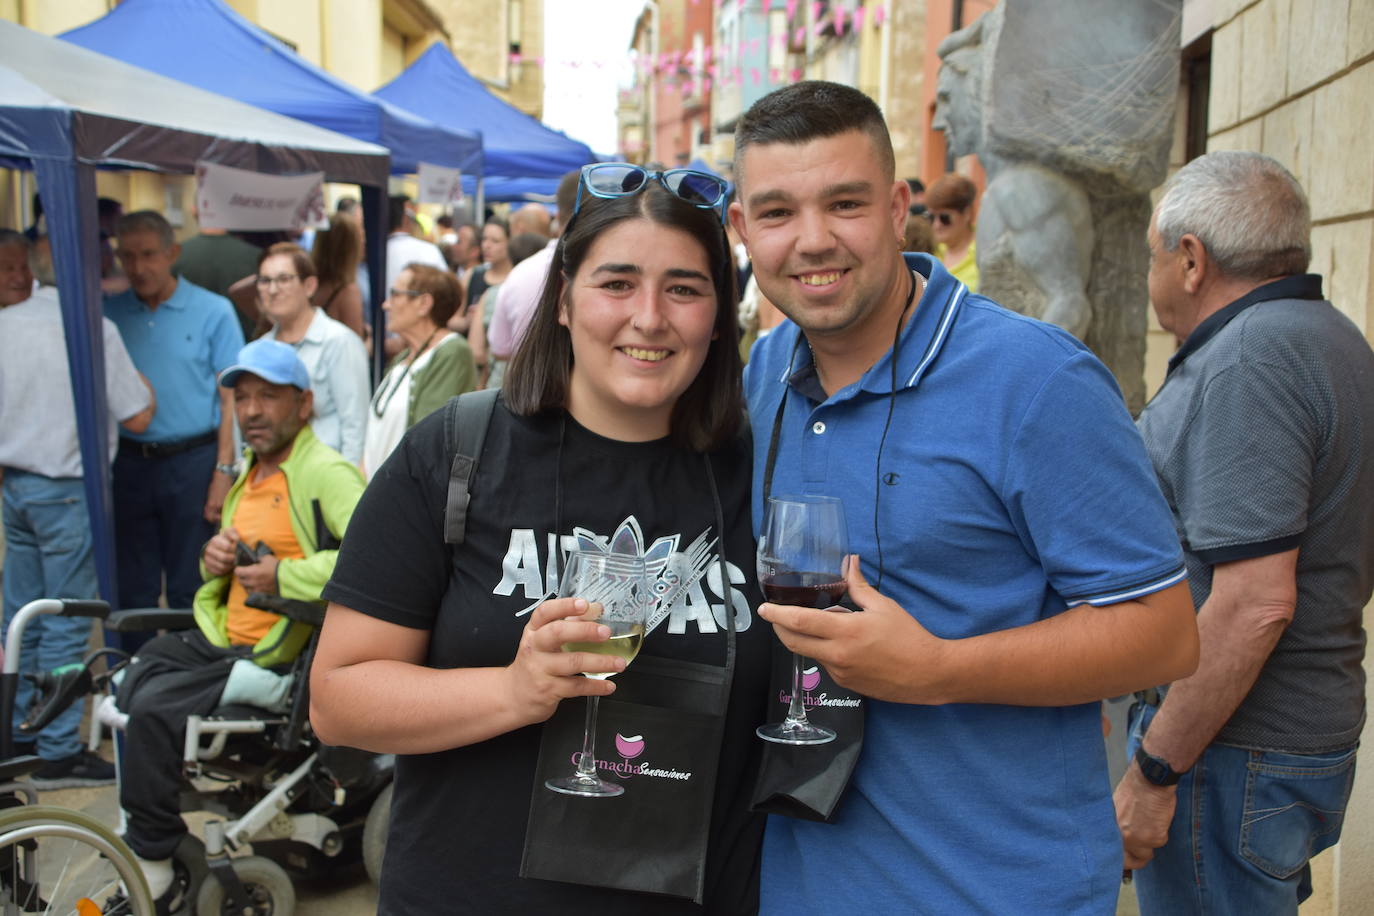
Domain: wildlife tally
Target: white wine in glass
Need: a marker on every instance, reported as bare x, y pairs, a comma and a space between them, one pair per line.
618, 593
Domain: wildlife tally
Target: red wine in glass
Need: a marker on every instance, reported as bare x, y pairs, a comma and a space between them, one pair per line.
801, 561
804, 589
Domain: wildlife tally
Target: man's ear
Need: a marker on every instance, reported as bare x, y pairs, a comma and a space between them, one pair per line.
736, 214
1194, 263
307, 404
901, 202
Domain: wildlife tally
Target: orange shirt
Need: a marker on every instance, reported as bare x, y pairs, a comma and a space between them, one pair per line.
263, 514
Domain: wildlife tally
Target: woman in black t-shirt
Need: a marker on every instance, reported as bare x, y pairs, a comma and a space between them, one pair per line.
618, 428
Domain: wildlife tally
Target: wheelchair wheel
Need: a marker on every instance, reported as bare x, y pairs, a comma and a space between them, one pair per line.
269, 888
54, 860
374, 833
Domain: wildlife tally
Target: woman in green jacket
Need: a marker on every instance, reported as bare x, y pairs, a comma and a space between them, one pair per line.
435, 365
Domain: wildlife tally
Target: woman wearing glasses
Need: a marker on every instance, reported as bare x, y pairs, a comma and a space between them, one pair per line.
435, 365
333, 355
951, 201
618, 429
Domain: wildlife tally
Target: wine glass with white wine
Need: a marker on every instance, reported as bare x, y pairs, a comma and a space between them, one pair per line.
618, 593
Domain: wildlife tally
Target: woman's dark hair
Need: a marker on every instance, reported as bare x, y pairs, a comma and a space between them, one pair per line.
299, 259
707, 415
442, 287
337, 251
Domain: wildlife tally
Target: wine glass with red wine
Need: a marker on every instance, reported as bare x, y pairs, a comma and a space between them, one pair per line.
801, 557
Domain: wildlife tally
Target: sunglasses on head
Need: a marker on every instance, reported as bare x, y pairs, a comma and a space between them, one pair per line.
621, 179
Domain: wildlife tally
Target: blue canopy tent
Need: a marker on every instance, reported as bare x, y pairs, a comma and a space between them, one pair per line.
221, 51
516, 145
66, 111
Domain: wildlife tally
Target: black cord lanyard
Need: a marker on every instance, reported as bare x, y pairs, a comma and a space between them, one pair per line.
390, 390
776, 433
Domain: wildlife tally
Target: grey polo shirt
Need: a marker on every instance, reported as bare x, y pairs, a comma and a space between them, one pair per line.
1261, 438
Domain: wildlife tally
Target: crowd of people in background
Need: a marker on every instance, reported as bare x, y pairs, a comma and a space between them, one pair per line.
1037, 548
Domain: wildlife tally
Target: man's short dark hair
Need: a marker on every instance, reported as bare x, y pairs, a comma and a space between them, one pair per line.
812, 110
396, 212
147, 221
346, 205
11, 237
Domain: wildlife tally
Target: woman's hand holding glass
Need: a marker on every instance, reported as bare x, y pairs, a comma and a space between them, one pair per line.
543, 675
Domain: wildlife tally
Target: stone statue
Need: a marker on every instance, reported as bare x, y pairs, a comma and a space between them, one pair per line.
1069, 106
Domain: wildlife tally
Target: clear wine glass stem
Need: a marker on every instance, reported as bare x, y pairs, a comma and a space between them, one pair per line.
796, 709
586, 761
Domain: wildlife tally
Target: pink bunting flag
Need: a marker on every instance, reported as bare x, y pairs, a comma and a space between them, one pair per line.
796, 74
859, 17
879, 16
791, 9
754, 75
839, 20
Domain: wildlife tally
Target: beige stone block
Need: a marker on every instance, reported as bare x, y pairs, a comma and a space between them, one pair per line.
1226, 10
1316, 35
1223, 103
1288, 137
1262, 72
1342, 168
1360, 36
1344, 263
1248, 136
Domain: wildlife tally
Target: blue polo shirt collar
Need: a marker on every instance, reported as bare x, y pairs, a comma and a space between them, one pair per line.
177, 300
918, 345
1298, 286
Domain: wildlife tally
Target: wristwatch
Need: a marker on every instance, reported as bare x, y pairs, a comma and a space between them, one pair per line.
1156, 770
231, 469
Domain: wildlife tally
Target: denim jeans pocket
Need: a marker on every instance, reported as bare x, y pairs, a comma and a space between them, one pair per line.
1294, 807
60, 523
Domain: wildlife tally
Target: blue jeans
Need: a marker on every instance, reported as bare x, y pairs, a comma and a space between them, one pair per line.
160, 527
48, 534
1246, 826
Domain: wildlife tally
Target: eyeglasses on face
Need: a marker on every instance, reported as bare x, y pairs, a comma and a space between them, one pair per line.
622, 179
394, 292
279, 280
943, 217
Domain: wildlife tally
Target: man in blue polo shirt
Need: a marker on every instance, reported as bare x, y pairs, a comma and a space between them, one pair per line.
170, 480
1000, 500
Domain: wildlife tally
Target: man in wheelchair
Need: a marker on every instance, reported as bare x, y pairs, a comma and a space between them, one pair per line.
282, 523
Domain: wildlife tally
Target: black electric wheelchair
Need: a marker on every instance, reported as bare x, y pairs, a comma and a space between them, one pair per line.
306, 809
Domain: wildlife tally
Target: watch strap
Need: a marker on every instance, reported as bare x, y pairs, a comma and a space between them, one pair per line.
1156, 770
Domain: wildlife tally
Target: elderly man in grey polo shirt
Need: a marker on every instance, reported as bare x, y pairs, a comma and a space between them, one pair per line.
1260, 437
46, 525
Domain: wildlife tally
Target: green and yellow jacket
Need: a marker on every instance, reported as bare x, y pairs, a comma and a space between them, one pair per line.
322, 488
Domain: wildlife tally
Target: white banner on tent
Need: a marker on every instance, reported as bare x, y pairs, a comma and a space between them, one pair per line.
439, 185
230, 198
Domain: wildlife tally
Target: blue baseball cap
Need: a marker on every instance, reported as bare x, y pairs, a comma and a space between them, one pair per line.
271, 360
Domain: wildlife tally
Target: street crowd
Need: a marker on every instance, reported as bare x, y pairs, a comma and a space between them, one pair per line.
670, 351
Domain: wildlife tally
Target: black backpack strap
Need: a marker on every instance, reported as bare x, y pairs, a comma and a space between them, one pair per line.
466, 419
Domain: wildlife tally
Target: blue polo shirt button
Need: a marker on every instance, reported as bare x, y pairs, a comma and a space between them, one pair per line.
818, 427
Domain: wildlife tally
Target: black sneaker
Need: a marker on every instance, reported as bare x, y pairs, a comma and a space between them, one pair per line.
80, 769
